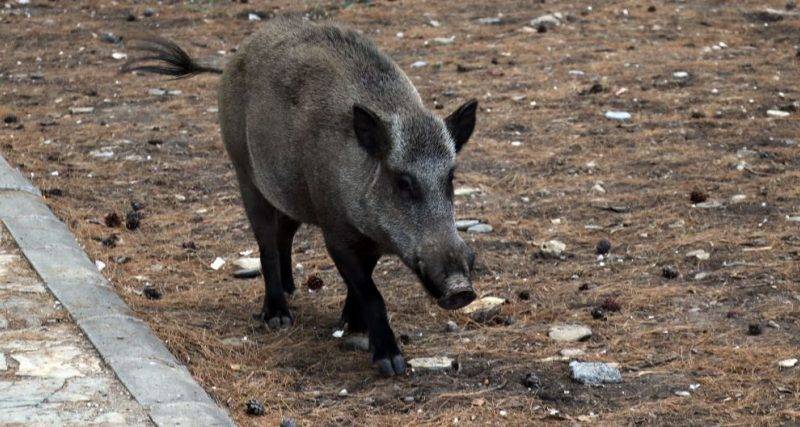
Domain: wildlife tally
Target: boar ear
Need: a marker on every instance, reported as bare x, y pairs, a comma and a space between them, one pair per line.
370, 131
462, 122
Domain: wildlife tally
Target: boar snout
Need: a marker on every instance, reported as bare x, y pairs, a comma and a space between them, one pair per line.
458, 292
445, 274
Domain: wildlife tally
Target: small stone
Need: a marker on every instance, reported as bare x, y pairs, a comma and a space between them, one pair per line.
778, 113
254, 407
451, 326
150, 292
683, 393
466, 191
484, 309
432, 364
755, 329
567, 333
700, 254
701, 275
553, 248
738, 198
670, 272
314, 283
246, 273
444, 40
408, 399
110, 38
248, 263
156, 92
81, 110
419, 64
480, 229
594, 373
148, 12
773, 324
119, 55
217, 263
358, 342
598, 313
603, 247
698, 196
464, 224
786, 363
343, 392
713, 204
793, 218
546, 22
489, 21
288, 422
618, 115
598, 188
680, 74
532, 381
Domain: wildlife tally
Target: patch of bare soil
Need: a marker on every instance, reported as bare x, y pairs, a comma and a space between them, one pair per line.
697, 78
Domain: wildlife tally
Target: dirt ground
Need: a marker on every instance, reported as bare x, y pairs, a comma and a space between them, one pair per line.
541, 146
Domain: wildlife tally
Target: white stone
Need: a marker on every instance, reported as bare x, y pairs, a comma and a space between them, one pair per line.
483, 304
463, 224
778, 113
711, 204
553, 248
419, 64
217, 263
253, 17
444, 40
102, 154
738, 198
248, 263
618, 115
440, 363
793, 218
598, 188
81, 110
338, 333
699, 254
480, 228
567, 333
683, 393
119, 55
343, 392
788, 363
466, 191
680, 74
548, 21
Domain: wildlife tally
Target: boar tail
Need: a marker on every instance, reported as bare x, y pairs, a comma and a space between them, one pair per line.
164, 57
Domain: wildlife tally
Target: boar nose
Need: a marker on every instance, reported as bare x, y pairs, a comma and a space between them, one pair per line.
458, 292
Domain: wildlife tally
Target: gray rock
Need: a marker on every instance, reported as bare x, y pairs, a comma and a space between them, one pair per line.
451, 326
547, 22
110, 38
711, 204
553, 248
594, 373
463, 224
81, 110
618, 115
490, 21
569, 333
480, 229
699, 254
422, 364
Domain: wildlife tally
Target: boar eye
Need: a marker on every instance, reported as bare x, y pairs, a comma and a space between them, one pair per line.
406, 186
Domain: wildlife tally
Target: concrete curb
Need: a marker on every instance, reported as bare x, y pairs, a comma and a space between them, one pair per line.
157, 380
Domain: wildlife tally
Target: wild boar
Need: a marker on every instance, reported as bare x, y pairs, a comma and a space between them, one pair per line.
324, 129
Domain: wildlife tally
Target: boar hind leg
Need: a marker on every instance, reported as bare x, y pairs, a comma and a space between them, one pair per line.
272, 230
355, 263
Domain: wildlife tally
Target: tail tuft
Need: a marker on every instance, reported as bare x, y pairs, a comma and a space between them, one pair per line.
173, 60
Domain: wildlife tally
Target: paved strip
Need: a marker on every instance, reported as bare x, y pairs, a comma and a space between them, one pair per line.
49, 372
145, 366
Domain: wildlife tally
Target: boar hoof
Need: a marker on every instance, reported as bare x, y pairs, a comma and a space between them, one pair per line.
279, 322
395, 365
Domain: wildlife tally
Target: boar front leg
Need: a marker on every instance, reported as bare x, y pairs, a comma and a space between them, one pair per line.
355, 263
